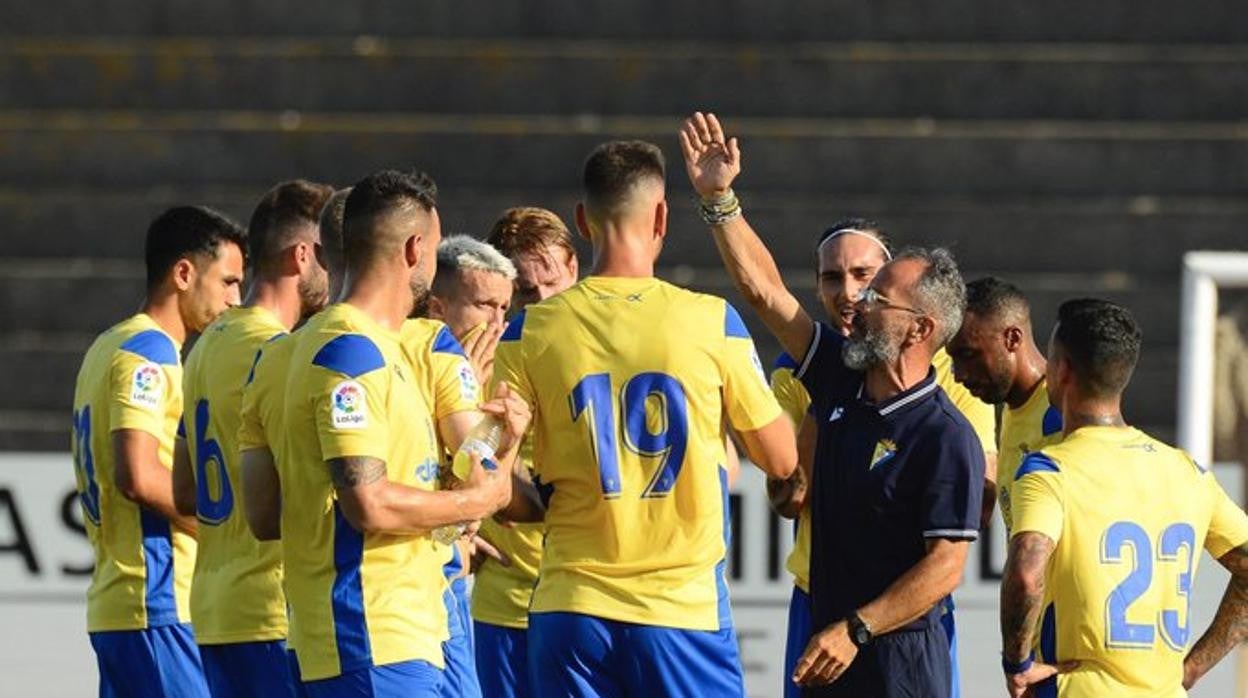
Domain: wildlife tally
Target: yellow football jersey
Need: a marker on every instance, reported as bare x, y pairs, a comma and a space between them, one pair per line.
792, 394
630, 380
264, 397
131, 378
446, 379
1129, 515
236, 593
356, 599
1029, 428
501, 595
794, 400
447, 384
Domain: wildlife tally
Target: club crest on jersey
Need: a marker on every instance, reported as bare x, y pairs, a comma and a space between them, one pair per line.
469, 389
348, 409
885, 449
147, 386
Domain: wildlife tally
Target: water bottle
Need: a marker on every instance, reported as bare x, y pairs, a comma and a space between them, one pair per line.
482, 441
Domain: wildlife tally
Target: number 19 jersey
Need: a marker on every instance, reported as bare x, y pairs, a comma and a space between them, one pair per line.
630, 380
1129, 515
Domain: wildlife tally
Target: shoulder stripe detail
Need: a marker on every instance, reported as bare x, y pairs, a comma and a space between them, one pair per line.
784, 361
153, 345
514, 328
810, 351
1052, 422
734, 326
350, 354
445, 343
1036, 463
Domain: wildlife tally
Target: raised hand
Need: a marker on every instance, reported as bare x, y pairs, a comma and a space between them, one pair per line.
711, 160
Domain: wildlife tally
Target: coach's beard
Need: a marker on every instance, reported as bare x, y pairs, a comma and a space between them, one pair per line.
865, 349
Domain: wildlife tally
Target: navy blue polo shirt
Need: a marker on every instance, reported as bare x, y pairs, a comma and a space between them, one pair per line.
887, 479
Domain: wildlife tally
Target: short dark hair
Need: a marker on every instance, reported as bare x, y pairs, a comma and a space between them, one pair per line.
285, 211
991, 296
187, 231
331, 229
376, 197
1102, 341
614, 168
862, 225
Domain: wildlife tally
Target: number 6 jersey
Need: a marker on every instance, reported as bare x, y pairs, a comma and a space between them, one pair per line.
1130, 516
236, 595
631, 381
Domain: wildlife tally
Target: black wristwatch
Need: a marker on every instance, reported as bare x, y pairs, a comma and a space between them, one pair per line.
859, 632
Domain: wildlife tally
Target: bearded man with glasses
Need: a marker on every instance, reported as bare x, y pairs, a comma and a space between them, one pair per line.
897, 476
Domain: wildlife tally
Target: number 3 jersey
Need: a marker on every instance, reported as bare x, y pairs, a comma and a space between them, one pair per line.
1130, 516
236, 595
131, 378
631, 381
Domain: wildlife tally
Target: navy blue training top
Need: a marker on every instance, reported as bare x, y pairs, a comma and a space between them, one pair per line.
887, 478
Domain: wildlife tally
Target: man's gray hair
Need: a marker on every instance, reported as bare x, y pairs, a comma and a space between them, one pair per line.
940, 291
462, 252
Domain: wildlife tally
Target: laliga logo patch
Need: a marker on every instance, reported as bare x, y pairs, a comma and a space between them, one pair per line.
469, 389
147, 386
885, 449
349, 409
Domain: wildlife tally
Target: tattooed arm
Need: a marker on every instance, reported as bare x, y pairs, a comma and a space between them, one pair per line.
372, 503
1022, 600
1230, 624
1022, 592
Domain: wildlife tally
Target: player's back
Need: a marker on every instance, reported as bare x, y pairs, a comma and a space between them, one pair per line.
1131, 515
631, 380
236, 595
130, 379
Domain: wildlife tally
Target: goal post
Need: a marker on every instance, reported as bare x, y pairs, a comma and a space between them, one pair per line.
1204, 272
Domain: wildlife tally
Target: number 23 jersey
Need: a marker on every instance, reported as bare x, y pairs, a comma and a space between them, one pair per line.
1130, 516
631, 380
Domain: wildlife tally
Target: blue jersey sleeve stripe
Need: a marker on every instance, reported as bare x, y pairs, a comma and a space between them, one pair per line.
347, 596
514, 328
153, 345
350, 354
454, 566
445, 343
784, 361
162, 607
1036, 463
1052, 422
733, 325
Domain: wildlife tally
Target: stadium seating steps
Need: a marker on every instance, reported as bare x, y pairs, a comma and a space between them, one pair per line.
1077, 148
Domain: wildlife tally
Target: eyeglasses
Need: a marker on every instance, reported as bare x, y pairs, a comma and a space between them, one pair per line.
870, 296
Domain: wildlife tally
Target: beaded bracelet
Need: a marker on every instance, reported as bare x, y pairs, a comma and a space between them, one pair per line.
720, 210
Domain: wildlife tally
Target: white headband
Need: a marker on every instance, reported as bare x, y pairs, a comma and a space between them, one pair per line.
888, 256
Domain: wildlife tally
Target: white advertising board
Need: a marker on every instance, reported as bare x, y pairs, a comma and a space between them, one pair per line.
45, 564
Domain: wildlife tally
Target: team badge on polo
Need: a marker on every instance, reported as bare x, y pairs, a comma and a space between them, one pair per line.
885, 449
349, 409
